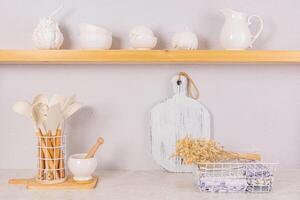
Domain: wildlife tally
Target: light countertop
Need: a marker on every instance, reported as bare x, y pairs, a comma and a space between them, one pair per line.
144, 185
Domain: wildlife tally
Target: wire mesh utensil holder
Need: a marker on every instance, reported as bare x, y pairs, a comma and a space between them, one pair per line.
51, 158
235, 177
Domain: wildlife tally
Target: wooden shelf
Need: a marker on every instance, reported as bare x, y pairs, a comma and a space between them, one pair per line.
145, 57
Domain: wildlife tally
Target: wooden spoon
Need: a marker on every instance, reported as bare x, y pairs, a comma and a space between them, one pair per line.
40, 98
69, 101
55, 99
54, 118
38, 118
93, 150
23, 108
71, 110
245, 156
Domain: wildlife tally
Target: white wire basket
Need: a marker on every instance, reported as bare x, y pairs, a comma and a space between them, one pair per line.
235, 177
51, 159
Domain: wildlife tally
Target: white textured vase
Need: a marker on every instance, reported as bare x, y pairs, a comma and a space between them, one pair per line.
47, 34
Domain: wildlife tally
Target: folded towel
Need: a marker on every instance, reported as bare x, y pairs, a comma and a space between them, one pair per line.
211, 184
258, 188
257, 170
259, 178
249, 178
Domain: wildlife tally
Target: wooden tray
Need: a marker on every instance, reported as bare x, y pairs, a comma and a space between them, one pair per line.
69, 184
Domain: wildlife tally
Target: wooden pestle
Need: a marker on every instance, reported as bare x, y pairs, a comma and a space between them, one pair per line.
93, 150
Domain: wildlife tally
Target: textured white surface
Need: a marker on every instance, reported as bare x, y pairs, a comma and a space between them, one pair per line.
255, 107
47, 34
185, 40
147, 185
175, 118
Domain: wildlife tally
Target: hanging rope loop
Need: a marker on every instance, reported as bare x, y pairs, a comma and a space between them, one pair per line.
192, 89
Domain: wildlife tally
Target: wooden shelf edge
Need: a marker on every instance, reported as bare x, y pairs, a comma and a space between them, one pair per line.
146, 57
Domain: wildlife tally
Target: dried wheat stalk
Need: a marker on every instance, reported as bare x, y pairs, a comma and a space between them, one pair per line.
197, 151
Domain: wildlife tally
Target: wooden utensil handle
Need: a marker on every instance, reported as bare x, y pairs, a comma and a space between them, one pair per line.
249, 156
18, 181
57, 151
41, 162
46, 151
93, 150
62, 166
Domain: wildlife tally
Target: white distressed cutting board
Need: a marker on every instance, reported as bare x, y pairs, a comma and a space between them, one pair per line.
174, 119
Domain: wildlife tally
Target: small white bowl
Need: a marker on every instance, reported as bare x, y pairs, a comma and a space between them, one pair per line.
141, 31
82, 168
95, 40
83, 28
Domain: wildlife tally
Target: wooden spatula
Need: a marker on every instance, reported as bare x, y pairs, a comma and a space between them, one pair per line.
93, 150
54, 118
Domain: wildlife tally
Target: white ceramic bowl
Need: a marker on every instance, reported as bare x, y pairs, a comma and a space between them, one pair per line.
82, 168
141, 31
83, 28
95, 40
143, 42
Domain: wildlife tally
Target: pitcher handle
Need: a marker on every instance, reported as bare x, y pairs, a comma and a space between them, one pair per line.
260, 28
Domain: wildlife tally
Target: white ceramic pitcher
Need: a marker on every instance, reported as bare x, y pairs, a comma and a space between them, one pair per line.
235, 34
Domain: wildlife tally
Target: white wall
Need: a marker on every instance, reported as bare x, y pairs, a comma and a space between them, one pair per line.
255, 107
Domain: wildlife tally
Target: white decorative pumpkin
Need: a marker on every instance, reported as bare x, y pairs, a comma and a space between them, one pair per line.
185, 40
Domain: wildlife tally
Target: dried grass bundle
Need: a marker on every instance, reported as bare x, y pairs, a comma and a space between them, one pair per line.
196, 151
